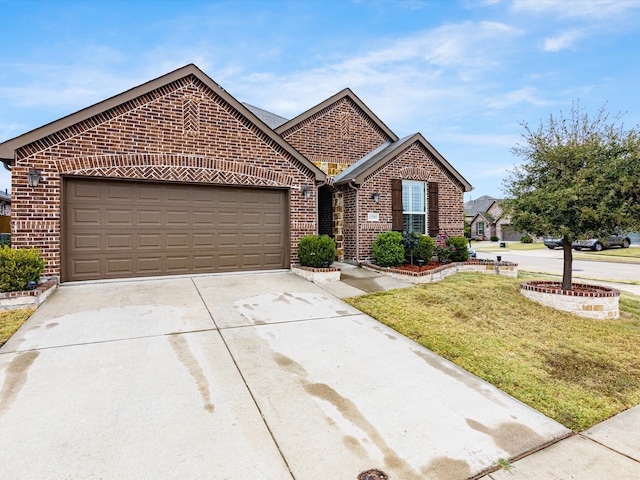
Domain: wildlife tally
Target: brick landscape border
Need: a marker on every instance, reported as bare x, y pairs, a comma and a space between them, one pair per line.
590, 301
317, 275
436, 274
28, 298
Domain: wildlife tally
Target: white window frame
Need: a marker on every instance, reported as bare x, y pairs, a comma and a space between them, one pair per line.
409, 185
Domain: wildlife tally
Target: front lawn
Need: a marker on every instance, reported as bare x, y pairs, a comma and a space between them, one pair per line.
575, 370
620, 255
495, 246
11, 320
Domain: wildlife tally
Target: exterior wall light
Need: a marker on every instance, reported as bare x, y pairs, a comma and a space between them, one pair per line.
33, 177
376, 197
306, 191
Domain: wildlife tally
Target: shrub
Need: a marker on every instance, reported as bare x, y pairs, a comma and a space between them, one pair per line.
494, 238
526, 239
410, 243
426, 247
316, 251
461, 252
19, 266
388, 250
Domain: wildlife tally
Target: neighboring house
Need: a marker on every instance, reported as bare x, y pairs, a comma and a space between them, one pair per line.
479, 205
177, 176
5, 212
493, 222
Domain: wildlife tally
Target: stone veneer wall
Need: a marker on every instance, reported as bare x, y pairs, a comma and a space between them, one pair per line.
600, 303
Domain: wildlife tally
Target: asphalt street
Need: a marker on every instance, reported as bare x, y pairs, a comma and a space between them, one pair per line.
551, 262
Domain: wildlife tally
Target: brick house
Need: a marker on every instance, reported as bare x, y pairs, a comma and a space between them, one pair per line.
493, 222
177, 176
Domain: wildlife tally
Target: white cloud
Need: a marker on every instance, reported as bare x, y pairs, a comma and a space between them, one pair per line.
525, 95
562, 42
587, 9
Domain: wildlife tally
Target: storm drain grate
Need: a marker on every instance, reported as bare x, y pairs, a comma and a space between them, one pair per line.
373, 475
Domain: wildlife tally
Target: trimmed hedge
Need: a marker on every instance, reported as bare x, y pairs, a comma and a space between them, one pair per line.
19, 266
316, 251
526, 239
388, 250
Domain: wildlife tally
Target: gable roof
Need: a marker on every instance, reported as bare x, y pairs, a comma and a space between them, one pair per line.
357, 172
8, 148
480, 204
484, 216
346, 93
271, 119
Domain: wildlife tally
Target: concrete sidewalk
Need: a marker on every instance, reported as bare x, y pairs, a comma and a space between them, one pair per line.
260, 376
608, 451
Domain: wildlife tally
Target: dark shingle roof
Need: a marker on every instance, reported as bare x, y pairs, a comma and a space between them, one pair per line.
271, 119
481, 204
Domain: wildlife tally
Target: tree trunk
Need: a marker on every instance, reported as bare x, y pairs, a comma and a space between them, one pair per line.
568, 264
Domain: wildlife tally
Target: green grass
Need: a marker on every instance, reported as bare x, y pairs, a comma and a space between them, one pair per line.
11, 320
495, 246
575, 370
620, 255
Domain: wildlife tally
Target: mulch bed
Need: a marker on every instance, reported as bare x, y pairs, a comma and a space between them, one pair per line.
433, 264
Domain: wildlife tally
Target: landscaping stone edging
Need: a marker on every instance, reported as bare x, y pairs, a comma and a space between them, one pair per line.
436, 274
28, 298
317, 275
600, 302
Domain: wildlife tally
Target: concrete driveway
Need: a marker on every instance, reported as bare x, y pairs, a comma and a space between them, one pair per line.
240, 377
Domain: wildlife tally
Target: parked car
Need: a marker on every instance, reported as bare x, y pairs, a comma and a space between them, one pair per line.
552, 243
597, 245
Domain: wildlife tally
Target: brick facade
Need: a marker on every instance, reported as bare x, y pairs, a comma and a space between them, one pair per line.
184, 128
183, 132
336, 136
415, 162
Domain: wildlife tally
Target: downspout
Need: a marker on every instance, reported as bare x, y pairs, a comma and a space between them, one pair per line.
351, 185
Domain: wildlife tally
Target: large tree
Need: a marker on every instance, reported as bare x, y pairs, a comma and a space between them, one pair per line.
580, 178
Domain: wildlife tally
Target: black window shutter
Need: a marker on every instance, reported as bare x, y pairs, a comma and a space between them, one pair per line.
396, 205
433, 209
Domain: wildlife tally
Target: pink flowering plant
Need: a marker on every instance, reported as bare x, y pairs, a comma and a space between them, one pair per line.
444, 251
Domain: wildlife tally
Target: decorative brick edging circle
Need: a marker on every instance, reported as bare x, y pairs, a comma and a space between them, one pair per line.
590, 301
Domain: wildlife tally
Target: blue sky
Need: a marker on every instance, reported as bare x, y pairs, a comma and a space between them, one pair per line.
463, 73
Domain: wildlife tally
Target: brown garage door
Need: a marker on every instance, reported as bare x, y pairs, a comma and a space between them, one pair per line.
115, 229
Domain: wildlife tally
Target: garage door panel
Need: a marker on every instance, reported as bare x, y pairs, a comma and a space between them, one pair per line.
118, 229
149, 217
118, 217
149, 241
121, 192
122, 265
86, 216
251, 261
88, 241
203, 240
120, 241
272, 260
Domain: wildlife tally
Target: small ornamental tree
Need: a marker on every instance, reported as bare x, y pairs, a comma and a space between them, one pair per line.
580, 178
